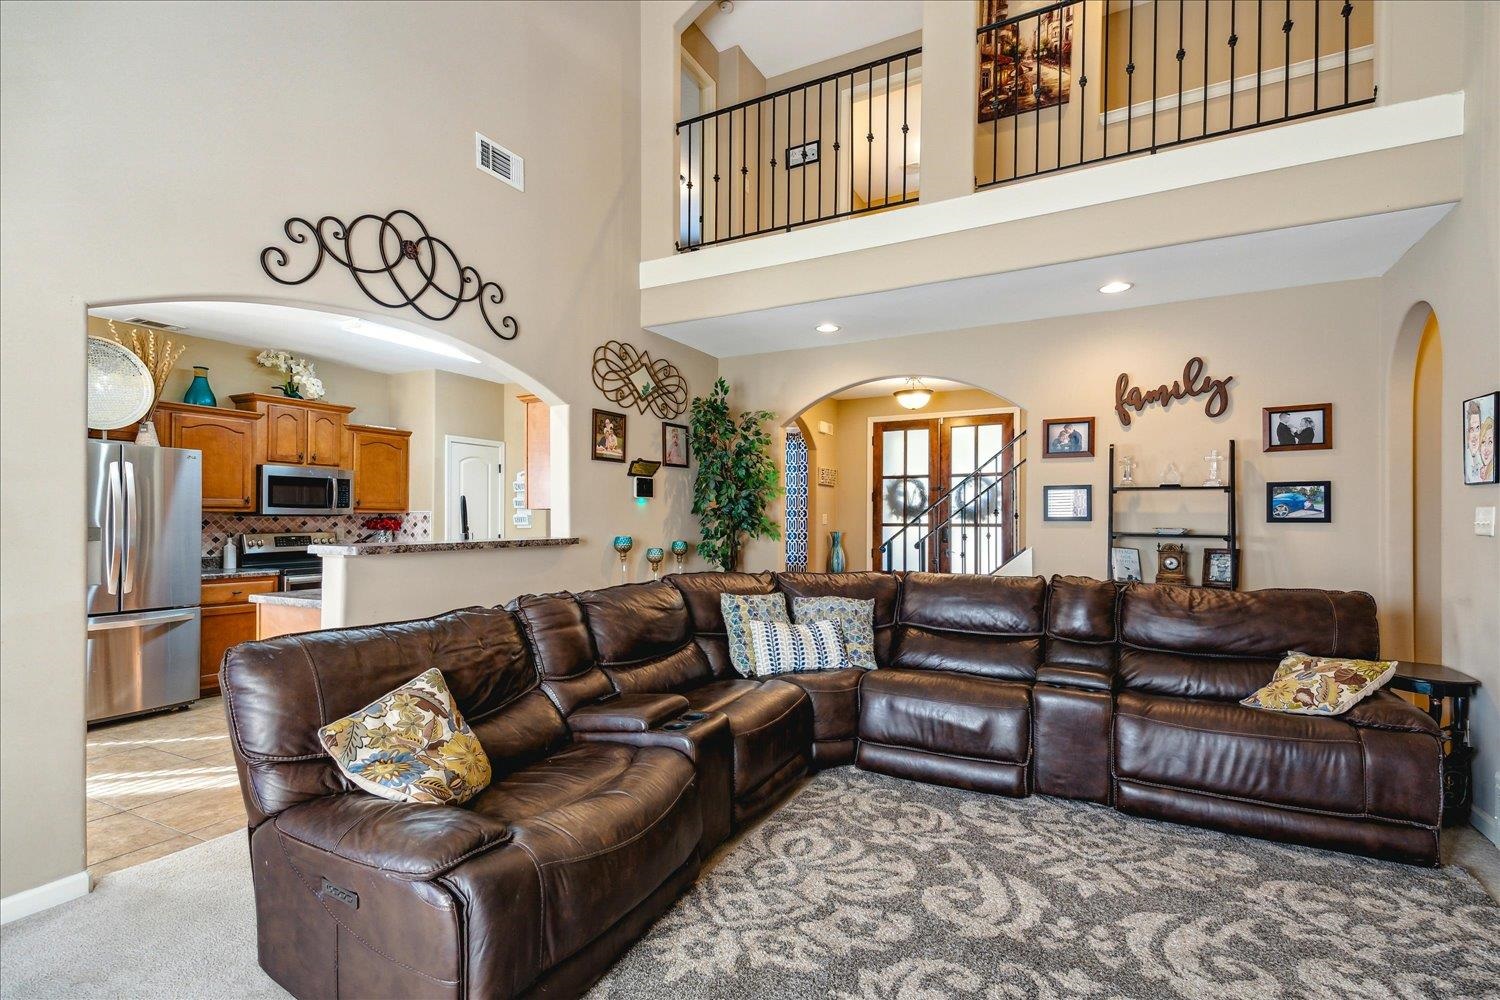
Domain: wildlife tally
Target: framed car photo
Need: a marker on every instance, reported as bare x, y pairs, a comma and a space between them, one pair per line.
1310, 502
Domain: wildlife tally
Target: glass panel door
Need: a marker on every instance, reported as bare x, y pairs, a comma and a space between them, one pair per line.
906, 456
979, 537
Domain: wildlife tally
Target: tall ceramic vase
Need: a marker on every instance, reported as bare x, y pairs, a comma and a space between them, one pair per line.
836, 560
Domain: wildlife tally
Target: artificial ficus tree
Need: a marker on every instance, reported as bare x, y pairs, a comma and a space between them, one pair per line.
736, 476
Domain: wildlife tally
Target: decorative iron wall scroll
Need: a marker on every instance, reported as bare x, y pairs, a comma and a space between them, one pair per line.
397, 263
631, 377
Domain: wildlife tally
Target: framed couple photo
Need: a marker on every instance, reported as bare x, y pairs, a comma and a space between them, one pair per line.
1303, 427
1479, 439
1069, 437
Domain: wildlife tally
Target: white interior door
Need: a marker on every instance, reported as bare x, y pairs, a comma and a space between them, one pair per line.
476, 477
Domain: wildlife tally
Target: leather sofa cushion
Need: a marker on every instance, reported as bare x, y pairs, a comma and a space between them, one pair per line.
770, 723
564, 651
279, 692
1195, 642
1072, 676
417, 842
1227, 749
701, 592
882, 588
643, 637
950, 713
604, 824
1249, 624
991, 626
1082, 609
835, 701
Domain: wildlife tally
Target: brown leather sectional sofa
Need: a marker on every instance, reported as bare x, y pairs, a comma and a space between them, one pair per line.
625, 749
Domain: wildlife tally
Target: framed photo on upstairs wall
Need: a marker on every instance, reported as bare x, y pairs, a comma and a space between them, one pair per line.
1479, 439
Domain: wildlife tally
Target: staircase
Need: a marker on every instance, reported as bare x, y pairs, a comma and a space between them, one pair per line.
973, 527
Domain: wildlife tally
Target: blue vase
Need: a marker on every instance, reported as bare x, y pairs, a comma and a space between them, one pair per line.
200, 393
836, 560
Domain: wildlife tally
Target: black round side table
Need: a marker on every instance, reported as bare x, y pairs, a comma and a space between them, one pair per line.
1439, 684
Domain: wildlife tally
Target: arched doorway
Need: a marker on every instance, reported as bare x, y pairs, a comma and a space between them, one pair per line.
1414, 460
936, 487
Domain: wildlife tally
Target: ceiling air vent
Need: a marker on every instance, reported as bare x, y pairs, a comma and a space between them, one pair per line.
496, 160
154, 324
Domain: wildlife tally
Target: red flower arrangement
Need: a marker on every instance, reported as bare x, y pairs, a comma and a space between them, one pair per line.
383, 522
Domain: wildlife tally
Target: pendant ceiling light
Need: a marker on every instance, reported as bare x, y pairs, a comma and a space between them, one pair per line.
915, 395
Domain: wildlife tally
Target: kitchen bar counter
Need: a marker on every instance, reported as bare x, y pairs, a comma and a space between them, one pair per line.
397, 548
290, 598
236, 574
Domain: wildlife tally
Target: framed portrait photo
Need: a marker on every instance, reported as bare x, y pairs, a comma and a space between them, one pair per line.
1218, 568
1067, 503
1124, 564
607, 438
1070, 437
1303, 427
1479, 439
675, 451
1308, 501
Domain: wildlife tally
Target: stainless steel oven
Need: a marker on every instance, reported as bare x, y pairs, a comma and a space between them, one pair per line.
300, 489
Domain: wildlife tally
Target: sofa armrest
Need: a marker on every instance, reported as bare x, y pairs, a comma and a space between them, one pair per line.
1075, 675
628, 713
408, 841
1385, 710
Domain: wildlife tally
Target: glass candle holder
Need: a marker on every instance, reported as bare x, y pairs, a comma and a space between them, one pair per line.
654, 556
679, 552
623, 545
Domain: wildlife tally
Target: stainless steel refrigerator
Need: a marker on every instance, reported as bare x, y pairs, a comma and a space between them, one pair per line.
145, 509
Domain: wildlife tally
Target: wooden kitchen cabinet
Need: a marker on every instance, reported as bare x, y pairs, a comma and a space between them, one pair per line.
230, 443
380, 458
298, 431
228, 618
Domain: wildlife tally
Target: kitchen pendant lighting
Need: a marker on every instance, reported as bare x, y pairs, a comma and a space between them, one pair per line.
915, 395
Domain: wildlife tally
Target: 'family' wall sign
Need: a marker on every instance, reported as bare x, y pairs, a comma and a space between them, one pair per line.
1194, 383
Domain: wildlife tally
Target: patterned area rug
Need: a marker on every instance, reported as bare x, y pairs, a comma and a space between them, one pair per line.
871, 887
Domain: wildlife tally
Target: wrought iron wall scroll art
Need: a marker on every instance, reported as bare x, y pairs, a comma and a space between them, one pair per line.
393, 253
629, 376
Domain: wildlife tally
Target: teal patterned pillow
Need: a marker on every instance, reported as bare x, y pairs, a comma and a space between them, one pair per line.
856, 619
739, 611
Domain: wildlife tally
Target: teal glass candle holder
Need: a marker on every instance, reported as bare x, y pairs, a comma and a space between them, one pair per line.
654, 556
623, 545
679, 552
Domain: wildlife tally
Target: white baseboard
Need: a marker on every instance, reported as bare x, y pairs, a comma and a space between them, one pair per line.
1485, 824
43, 897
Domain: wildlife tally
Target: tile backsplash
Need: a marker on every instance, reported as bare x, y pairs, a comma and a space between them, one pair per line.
219, 528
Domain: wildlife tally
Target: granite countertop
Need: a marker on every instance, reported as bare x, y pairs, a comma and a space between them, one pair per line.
396, 548
235, 574
291, 598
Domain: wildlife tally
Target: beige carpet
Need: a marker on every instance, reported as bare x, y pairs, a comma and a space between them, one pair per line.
866, 886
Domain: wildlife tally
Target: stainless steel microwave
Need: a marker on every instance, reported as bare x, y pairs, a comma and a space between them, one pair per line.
301, 489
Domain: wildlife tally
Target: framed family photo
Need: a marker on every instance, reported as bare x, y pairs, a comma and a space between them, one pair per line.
1304, 427
608, 437
1479, 439
675, 451
1309, 501
1071, 437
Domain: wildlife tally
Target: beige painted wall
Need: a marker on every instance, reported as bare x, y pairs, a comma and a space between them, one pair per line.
1452, 272
1068, 367
195, 211
232, 370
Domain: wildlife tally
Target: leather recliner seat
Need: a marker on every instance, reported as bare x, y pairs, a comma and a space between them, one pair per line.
625, 747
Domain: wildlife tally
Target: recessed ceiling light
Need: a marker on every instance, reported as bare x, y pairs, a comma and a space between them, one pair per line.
1115, 287
827, 328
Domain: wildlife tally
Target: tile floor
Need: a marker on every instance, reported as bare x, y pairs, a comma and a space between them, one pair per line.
159, 784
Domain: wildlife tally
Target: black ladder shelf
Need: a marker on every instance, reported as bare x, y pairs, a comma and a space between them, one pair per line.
1229, 536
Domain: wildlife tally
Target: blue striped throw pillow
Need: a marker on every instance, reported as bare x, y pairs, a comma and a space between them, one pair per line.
780, 648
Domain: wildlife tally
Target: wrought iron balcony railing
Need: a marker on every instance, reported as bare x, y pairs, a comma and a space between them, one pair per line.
842, 145
1084, 81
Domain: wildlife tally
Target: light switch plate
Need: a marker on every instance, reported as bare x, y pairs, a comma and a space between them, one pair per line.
1484, 521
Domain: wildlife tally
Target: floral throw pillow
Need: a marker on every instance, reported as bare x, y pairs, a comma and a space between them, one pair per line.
781, 648
739, 611
1320, 685
410, 746
856, 619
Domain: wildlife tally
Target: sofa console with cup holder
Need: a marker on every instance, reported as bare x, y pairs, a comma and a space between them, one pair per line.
625, 748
